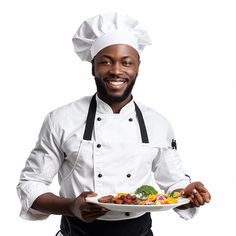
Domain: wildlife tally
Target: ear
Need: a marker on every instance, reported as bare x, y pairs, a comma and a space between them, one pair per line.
138, 67
93, 71
92, 62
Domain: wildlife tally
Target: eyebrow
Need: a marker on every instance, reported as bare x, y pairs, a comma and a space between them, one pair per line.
110, 57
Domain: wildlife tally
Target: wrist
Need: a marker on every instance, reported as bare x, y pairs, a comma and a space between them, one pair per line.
68, 206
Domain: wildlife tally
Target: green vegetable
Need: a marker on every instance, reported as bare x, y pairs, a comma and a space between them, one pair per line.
146, 190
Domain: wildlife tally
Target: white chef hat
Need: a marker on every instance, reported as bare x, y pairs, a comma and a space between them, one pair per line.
104, 30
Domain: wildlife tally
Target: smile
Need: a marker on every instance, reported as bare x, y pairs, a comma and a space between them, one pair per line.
116, 84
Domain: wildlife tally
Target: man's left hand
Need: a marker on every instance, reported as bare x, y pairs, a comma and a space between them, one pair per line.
197, 194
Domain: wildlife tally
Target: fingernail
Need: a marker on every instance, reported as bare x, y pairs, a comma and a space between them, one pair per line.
194, 191
105, 209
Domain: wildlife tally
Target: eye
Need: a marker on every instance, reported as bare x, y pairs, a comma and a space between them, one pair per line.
105, 62
126, 63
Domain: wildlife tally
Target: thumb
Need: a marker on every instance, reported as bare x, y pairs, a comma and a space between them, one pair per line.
182, 193
88, 194
185, 193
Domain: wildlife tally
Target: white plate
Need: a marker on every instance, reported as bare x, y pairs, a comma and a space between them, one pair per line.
137, 208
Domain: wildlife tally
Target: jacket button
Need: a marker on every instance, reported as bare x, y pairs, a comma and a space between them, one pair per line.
130, 119
99, 119
128, 175
99, 175
99, 145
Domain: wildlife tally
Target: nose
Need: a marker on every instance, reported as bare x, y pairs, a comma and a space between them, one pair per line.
116, 69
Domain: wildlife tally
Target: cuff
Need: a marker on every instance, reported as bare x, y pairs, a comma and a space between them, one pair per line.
186, 214
32, 214
27, 194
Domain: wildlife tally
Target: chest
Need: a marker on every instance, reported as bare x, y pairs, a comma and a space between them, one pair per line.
116, 129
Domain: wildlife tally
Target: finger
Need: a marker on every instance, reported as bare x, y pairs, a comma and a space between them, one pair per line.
201, 188
88, 194
195, 203
191, 204
198, 198
206, 197
204, 193
91, 216
97, 212
91, 207
182, 193
89, 219
198, 184
185, 193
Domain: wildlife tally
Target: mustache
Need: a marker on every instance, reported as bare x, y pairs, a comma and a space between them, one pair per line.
117, 77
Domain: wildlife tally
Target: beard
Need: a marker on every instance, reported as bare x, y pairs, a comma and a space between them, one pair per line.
109, 98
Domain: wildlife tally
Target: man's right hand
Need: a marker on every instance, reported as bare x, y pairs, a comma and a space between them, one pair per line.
49, 203
86, 211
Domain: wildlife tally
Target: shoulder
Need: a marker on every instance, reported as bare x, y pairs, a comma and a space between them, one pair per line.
150, 115
158, 126
72, 109
70, 115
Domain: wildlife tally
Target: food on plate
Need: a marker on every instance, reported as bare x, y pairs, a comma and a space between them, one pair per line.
106, 199
145, 195
146, 190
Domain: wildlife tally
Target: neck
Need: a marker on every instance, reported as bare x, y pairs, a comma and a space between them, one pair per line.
116, 106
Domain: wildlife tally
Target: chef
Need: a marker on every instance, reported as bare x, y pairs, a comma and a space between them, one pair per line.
105, 143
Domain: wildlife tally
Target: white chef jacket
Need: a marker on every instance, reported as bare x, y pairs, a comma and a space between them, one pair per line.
58, 151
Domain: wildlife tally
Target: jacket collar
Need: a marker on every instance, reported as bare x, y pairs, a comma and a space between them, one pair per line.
104, 108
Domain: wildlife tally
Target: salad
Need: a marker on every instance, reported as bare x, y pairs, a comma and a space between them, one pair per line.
144, 195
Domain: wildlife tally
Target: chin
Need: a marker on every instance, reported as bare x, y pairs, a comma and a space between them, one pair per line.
116, 99
112, 96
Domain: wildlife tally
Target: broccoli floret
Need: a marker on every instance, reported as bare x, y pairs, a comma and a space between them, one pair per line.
145, 190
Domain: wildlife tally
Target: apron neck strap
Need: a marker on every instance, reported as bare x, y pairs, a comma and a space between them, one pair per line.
91, 117
142, 125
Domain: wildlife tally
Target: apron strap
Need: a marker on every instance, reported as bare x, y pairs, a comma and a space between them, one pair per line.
91, 117
142, 126
58, 233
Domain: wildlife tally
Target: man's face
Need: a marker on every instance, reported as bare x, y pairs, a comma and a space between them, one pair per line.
115, 69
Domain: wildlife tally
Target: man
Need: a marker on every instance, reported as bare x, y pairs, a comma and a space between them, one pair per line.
104, 144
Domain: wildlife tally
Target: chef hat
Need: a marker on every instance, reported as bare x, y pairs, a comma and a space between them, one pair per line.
101, 31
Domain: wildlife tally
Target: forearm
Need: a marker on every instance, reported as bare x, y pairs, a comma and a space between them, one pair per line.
51, 204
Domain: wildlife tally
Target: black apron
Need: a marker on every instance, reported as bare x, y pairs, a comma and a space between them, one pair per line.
140, 226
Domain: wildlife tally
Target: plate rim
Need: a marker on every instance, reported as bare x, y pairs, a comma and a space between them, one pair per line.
94, 200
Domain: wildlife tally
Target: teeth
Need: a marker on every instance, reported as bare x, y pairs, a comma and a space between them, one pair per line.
116, 82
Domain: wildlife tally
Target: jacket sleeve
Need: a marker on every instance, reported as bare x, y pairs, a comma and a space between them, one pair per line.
40, 168
169, 172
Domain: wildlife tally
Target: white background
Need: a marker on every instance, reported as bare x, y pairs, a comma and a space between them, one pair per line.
188, 75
